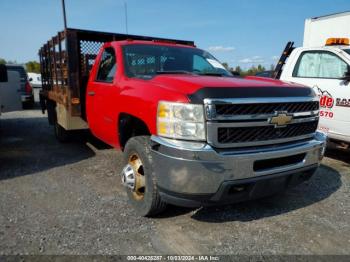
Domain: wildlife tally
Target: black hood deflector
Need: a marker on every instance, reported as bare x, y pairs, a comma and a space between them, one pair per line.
247, 92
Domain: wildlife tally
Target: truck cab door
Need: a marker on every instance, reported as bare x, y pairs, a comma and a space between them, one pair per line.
100, 97
10, 96
322, 70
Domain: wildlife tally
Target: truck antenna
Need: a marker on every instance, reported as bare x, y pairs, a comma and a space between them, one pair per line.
126, 17
64, 15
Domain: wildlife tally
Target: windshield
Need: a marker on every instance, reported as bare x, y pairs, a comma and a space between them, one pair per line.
347, 50
146, 61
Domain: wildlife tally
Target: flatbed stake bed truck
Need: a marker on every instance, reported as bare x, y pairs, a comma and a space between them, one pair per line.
191, 133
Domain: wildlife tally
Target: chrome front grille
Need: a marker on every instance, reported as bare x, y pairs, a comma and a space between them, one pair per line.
268, 108
264, 133
260, 121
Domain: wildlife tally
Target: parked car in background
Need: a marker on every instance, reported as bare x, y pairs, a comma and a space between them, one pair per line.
26, 89
35, 82
265, 74
10, 83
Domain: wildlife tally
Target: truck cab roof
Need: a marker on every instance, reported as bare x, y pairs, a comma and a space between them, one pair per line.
343, 50
148, 42
332, 47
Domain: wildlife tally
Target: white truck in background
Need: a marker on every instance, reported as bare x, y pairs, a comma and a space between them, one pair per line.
323, 63
35, 82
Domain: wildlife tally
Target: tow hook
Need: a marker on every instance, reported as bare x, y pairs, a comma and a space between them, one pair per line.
128, 177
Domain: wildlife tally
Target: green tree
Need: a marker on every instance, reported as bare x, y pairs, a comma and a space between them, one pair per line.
11, 62
33, 67
226, 65
238, 69
260, 68
253, 70
3, 61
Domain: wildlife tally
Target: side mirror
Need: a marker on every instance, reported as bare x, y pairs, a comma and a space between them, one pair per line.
346, 76
30, 79
3, 73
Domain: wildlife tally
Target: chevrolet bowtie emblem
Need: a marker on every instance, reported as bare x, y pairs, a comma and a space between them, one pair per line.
281, 119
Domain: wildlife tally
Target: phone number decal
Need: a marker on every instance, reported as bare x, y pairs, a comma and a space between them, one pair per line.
326, 114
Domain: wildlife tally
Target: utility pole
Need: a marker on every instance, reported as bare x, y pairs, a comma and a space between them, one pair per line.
64, 15
126, 18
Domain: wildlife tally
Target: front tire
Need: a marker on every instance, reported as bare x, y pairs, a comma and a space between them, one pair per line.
144, 195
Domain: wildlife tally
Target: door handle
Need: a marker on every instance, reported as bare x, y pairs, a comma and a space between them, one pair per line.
91, 93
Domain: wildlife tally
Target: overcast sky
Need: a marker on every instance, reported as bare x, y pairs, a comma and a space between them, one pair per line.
241, 33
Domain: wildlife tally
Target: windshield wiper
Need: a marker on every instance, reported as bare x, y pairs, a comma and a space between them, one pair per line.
175, 72
190, 73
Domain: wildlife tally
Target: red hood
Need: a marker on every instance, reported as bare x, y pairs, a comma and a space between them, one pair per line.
188, 84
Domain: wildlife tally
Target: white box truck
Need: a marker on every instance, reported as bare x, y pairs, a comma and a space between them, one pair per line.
318, 29
323, 63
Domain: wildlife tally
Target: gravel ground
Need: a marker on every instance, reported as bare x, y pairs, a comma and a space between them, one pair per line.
67, 199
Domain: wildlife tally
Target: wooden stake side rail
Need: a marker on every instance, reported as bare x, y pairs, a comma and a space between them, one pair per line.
67, 58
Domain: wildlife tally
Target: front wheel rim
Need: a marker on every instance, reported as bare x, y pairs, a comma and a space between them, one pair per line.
140, 186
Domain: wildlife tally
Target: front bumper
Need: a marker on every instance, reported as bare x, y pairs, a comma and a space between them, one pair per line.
194, 174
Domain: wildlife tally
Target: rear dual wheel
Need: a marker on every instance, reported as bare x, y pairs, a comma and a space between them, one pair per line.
139, 178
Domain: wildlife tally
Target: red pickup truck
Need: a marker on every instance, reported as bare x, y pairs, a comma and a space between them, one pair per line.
191, 133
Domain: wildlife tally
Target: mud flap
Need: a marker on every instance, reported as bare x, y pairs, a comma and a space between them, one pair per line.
42, 102
50, 106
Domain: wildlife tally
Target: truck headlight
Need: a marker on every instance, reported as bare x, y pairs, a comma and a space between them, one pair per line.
181, 121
